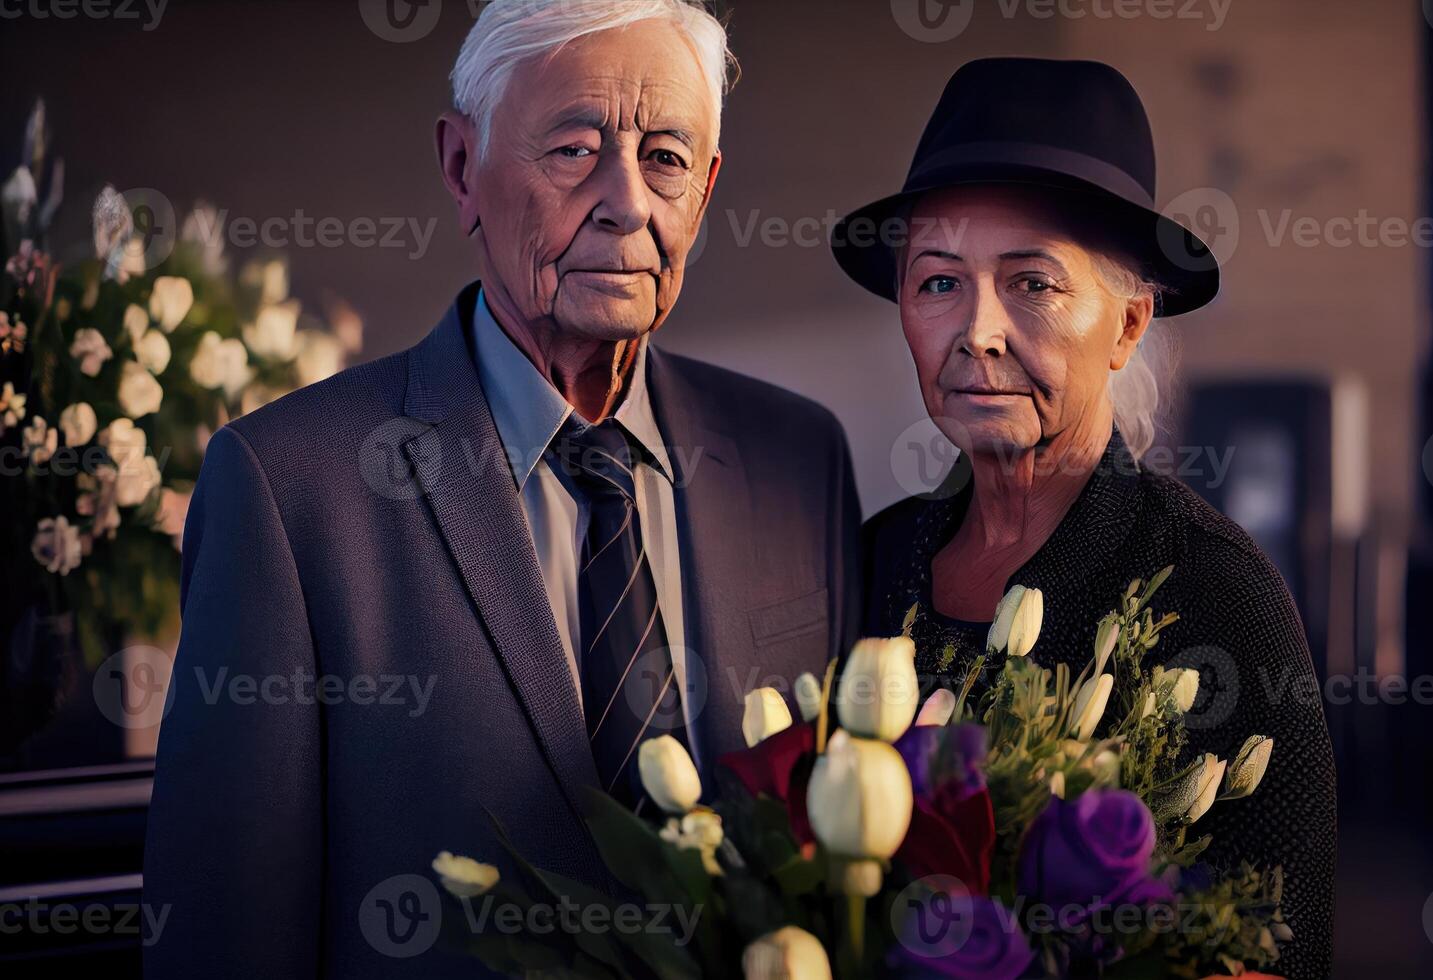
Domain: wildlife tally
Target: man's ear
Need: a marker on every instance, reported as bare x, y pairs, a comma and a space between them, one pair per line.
1138, 312
455, 138
711, 184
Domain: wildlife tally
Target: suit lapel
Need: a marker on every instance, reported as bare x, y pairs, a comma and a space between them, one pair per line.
458, 458
713, 499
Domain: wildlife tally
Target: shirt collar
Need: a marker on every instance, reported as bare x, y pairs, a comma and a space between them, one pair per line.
528, 410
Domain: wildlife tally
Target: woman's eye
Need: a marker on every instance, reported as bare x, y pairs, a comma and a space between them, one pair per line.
939, 284
575, 152
1029, 284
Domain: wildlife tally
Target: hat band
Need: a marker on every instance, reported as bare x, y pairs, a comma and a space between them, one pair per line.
1057, 160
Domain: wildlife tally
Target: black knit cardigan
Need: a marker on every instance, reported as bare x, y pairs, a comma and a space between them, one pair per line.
1238, 626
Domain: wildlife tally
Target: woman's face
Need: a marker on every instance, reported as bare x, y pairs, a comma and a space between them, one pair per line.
1012, 328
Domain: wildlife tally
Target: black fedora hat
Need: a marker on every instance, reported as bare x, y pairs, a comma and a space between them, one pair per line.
1073, 125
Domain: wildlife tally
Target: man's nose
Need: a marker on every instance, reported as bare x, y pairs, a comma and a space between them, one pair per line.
623, 206
986, 324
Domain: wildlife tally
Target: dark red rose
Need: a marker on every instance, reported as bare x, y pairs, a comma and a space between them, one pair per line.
951, 837
779, 766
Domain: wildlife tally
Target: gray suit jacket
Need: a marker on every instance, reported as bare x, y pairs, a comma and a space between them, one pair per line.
369, 661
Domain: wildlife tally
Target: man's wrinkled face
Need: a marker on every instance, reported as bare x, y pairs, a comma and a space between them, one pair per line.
595, 179
1013, 331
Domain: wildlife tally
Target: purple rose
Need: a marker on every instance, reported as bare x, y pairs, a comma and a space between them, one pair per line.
944, 759
1089, 854
954, 934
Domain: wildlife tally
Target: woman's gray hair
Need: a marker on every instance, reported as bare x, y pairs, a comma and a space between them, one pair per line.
1135, 390
509, 31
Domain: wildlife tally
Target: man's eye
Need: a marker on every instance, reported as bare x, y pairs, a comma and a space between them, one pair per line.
939, 284
667, 158
575, 152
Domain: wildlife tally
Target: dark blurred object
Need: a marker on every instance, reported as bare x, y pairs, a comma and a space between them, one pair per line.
1278, 439
41, 663
72, 842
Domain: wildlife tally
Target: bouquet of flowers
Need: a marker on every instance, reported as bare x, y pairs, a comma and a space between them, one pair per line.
1041, 828
115, 367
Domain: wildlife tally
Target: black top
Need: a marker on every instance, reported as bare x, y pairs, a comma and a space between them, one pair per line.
1237, 625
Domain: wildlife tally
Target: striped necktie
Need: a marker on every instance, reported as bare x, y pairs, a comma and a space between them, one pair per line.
629, 691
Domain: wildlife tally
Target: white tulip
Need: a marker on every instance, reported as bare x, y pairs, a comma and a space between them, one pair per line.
808, 696
123, 440
789, 953
40, 440
78, 423
1147, 708
270, 278
668, 774
1018, 617
153, 351
1247, 770
464, 877
320, 356
1090, 705
1211, 774
220, 363
171, 300
765, 714
139, 393
274, 277
136, 481
1025, 629
272, 334
937, 709
1057, 785
12, 406
1105, 640
859, 797
136, 322
879, 691
91, 350
1185, 688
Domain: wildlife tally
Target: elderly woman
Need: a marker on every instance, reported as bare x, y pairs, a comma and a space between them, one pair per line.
1028, 264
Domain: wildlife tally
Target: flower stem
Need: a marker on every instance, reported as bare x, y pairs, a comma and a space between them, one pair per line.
856, 925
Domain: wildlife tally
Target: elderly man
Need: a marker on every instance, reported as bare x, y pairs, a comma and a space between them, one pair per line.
463, 581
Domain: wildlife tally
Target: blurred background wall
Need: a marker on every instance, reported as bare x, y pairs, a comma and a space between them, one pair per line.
1291, 132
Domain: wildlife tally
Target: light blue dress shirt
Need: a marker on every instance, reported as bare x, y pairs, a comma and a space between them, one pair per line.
528, 412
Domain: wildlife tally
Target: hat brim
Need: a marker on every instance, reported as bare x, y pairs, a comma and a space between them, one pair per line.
1170, 254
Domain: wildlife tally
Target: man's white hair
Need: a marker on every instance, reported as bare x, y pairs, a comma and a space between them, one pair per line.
509, 31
